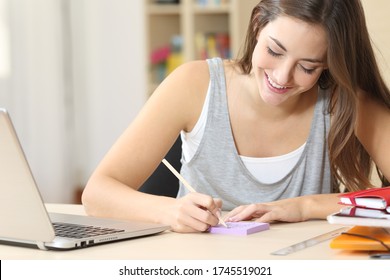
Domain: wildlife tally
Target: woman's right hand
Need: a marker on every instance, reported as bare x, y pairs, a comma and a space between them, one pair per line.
194, 212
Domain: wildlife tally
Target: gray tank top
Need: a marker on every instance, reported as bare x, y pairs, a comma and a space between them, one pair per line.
216, 168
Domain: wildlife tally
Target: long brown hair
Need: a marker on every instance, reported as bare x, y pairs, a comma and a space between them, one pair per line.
351, 66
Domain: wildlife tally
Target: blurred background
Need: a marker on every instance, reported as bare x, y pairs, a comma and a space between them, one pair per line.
75, 73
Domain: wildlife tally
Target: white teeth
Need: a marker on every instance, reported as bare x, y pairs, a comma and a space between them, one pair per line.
274, 84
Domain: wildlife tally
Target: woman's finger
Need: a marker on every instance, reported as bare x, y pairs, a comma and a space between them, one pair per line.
249, 212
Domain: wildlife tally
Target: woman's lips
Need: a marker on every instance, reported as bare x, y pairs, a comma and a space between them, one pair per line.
273, 86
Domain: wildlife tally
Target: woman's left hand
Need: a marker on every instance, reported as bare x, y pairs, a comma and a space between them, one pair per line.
286, 210
295, 209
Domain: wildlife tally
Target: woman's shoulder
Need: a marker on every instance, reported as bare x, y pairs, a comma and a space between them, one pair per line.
368, 104
186, 78
193, 69
184, 91
372, 116
202, 67
192, 78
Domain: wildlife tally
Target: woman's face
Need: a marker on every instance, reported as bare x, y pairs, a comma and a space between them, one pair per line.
288, 59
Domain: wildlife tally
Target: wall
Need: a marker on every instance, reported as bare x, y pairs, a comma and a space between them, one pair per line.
378, 23
109, 75
77, 79
35, 92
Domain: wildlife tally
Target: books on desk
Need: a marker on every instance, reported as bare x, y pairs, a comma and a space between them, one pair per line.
368, 211
355, 216
366, 208
363, 239
374, 198
370, 229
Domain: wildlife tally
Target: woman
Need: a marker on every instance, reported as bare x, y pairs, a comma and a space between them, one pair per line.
270, 136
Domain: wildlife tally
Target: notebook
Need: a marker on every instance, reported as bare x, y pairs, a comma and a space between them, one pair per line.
356, 216
24, 219
363, 238
375, 198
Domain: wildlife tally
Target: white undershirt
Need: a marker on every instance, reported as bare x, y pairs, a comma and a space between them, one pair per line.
266, 170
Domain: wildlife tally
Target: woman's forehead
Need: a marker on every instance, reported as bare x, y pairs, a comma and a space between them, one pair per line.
297, 36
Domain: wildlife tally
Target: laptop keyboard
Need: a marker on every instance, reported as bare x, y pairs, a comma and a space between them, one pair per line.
80, 231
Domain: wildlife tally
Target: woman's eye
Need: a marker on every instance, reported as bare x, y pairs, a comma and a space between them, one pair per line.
304, 69
307, 71
271, 52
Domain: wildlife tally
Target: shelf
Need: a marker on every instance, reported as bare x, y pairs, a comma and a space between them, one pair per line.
212, 9
164, 9
195, 23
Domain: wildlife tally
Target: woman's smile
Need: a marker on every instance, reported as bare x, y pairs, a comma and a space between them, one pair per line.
273, 86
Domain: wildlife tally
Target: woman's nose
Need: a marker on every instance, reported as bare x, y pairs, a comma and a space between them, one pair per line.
283, 73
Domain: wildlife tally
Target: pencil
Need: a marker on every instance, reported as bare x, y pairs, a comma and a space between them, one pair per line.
187, 185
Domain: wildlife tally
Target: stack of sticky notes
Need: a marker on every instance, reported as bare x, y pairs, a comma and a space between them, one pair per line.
239, 228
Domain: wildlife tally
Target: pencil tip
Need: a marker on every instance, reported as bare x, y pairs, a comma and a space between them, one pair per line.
223, 223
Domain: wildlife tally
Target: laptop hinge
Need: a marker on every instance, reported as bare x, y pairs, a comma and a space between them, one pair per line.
41, 245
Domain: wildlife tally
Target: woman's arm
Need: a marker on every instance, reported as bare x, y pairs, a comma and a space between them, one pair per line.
112, 189
373, 131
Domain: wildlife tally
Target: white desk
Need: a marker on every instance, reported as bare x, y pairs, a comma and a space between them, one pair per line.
197, 246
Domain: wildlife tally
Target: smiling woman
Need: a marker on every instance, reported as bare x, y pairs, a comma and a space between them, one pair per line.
269, 136
292, 62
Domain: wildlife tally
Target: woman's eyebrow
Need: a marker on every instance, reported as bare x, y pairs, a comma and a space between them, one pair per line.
278, 43
312, 60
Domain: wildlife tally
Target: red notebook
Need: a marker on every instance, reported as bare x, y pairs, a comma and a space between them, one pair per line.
375, 198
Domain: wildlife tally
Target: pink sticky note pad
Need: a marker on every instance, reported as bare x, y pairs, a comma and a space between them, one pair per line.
239, 228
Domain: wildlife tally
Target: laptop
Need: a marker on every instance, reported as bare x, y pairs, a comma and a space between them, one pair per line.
24, 219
